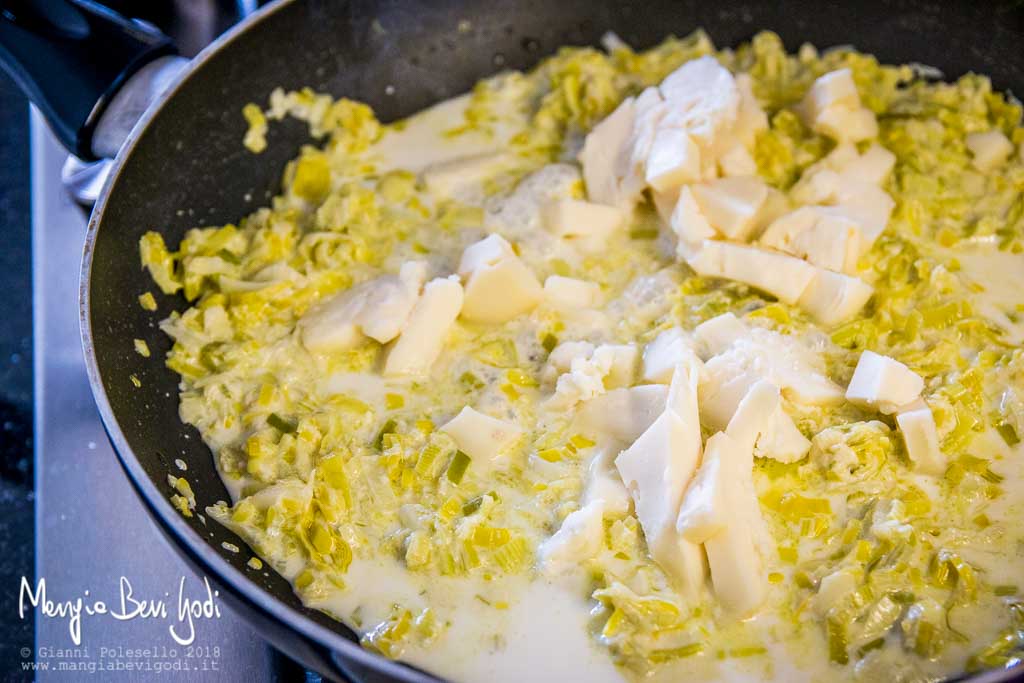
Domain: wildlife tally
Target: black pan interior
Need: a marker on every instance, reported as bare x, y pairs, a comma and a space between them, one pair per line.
189, 167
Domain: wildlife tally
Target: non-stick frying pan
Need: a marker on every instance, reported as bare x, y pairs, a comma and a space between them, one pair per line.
184, 165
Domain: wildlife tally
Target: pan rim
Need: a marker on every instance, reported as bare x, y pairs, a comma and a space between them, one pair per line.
154, 500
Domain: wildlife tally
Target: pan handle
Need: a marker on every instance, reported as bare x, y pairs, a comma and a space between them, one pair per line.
71, 57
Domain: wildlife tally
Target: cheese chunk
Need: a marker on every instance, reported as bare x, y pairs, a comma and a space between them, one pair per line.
873, 166
452, 177
833, 298
883, 383
866, 205
921, 438
750, 119
851, 125
715, 335
762, 354
832, 106
735, 553
605, 485
622, 414
377, 308
757, 420
656, 470
689, 224
821, 237
731, 204
486, 252
674, 160
649, 109
575, 218
782, 441
989, 150
780, 275
704, 511
605, 158
664, 353
561, 357
389, 303
834, 89
579, 538
737, 161
499, 286
703, 99
753, 416
610, 366
424, 333
570, 293
480, 436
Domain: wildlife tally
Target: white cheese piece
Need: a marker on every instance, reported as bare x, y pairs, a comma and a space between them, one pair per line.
623, 414
389, 303
851, 125
665, 203
832, 106
453, 176
703, 99
782, 441
833, 298
499, 286
990, 149
571, 218
883, 383
579, 538
817, 185
377, 308
831, 241
649, 108
753, 416
731, 204
737, 161
664, 353
570, 293
623, 365
750, 119
331, 325
486, 252
424, 333
873, 166
561, 357
704, 511
762, 354
689, 224
674, 160
868, 206
605, 157
922, 439
723, 387
834, 89
735, 554
610, 366
605, 485
715, 335
782, 276
480, 436
656, 470
780, 233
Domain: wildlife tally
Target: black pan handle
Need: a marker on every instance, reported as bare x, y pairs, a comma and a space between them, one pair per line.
70, 57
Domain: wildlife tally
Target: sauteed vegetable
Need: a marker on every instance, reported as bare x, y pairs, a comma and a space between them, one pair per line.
684, 361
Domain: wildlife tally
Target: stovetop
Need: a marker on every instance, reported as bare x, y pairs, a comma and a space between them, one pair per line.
94, 539
92, 532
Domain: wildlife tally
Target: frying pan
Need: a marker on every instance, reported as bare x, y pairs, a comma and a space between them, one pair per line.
184, 165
